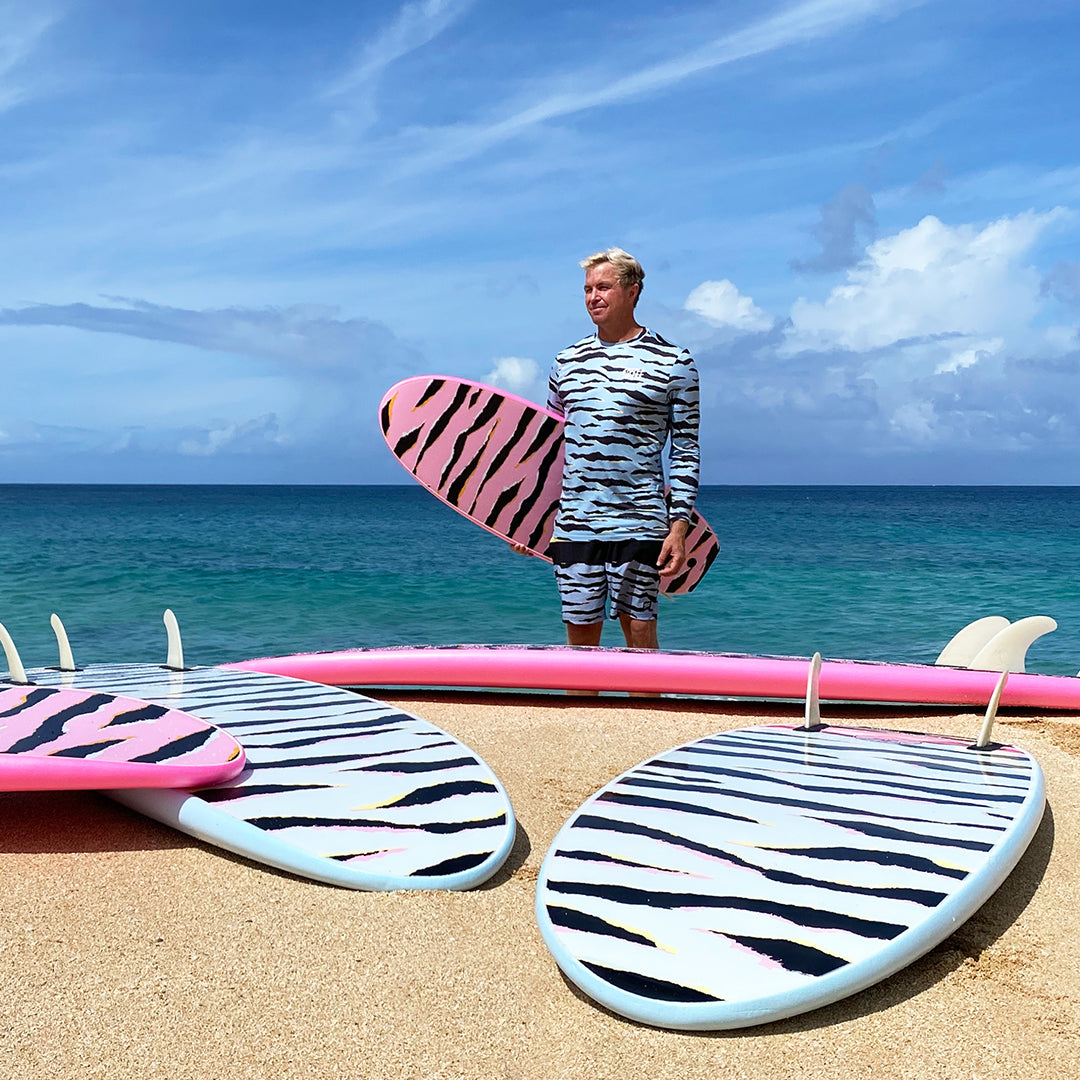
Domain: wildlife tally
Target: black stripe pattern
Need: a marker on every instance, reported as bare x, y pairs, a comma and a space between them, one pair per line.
751, 863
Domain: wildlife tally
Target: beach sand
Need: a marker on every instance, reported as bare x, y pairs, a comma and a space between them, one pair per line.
129, 950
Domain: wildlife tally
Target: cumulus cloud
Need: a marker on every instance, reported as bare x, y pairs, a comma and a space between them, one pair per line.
932, 281
940, 337
721, 304
518, 375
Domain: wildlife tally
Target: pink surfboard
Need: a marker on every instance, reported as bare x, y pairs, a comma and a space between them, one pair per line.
66, 740
561, 667
497, 459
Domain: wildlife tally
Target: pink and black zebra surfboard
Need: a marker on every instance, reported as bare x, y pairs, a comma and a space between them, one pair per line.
66, 740
497, 459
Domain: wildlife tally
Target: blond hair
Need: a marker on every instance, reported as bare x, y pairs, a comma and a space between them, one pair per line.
627, 267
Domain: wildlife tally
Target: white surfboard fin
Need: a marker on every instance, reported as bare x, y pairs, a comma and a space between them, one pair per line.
964, 646
1007, 649
67, 660
991, 712
813, 694
16, 671
175, 658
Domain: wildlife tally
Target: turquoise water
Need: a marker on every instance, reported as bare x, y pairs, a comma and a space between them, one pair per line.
869, 572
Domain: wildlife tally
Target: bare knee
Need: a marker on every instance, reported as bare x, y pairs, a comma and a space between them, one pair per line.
639, 633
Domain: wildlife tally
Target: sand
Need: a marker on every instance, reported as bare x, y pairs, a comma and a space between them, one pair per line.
129, 950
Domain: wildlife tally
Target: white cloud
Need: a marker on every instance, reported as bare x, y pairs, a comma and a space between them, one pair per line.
721, 304
248, 436
518, 375
931, 281
966, 358
938, 339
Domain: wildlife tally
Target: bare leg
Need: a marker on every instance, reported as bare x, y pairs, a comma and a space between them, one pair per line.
583, 634
639, 634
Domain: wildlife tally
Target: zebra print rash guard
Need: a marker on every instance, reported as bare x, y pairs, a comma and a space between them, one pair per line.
621, 404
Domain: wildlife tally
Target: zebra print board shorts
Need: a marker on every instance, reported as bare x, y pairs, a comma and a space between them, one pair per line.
618, 574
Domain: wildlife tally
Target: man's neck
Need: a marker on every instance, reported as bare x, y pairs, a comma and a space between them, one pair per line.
628, 334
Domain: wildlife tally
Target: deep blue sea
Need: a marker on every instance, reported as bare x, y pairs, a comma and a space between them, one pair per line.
884, 573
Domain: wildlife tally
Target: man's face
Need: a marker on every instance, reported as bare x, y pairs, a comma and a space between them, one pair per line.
609, 304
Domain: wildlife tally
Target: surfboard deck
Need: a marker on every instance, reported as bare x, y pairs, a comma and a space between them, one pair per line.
737, 675
67, 740
337, 787
767, 871
497, 459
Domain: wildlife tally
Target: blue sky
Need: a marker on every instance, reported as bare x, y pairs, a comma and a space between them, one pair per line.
227, 226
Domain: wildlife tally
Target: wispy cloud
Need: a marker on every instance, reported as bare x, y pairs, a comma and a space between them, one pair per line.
416, 24
22, 26
302, 336
798, 23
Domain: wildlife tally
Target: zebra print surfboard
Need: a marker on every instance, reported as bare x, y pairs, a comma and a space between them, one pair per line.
66, 740
497, 459
767, 871
337, 787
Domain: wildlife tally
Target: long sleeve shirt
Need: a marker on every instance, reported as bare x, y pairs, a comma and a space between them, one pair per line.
622, 403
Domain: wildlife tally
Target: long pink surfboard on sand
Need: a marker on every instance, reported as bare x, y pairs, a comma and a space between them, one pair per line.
497, 459
66, 740
560, 667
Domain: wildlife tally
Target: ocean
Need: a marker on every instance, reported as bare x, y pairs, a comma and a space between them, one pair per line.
879, 573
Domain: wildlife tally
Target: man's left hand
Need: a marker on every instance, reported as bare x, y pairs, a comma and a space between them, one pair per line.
673, 553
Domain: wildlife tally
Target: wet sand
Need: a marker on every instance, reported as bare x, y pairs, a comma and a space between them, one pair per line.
129, 950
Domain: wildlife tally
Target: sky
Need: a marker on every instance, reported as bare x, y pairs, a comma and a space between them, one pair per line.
228, 226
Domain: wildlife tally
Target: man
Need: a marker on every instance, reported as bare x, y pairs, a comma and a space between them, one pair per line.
624, 392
